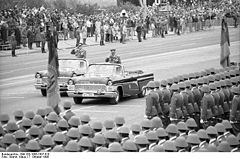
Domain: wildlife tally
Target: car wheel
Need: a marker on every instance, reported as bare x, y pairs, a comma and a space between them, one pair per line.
77, 100
44, 92
116, 99
142, 94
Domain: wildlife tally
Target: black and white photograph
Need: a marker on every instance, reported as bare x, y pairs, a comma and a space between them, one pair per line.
119, 76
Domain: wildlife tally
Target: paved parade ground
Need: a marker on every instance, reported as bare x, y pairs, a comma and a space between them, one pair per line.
166, 58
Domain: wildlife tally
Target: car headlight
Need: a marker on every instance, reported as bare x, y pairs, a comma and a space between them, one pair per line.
70, 82
74, 75
109, 83
38, 75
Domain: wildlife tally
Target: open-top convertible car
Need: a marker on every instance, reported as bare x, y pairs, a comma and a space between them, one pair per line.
68, 68
108, 80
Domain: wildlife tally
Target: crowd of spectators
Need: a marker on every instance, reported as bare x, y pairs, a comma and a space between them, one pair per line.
29, 25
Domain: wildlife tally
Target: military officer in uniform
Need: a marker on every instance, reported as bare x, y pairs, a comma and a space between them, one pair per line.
235, 112
207, 109
113, 58
152, 102
166, 94
176, 104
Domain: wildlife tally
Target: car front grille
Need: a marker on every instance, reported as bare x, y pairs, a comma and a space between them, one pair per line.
90, 87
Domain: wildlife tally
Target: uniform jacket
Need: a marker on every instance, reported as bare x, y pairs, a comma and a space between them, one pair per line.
152, 104
185, 103
235, 112
190, 108
221, 101
176, 106
207, 110
166, 100
197, 99
216, 101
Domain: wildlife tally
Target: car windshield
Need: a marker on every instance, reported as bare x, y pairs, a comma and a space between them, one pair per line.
70, 65
104, 70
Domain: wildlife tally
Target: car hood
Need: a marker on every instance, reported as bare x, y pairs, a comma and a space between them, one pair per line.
62, 73
92, 80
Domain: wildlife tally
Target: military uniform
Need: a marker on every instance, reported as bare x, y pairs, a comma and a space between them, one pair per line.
235, 112
207, 109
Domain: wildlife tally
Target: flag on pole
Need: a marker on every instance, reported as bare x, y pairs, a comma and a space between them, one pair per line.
225, 43
53, 97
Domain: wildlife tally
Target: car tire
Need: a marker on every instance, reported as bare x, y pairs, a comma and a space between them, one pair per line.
44, 92
77, 100
142, 94
116, 99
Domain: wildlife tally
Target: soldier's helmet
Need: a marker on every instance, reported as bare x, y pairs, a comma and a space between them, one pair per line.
129, 145
220, 128
156, 123
13, 148
18, 114
12, 126
157, 84
115, 147
109, 124
52, 117
33, 145
73, 133
85, 129
223, 147
232, 140
20, 134
182, 85
188, 84
227, 124
111, 134
161, 132
152, 136
4, 118
50, 128
146, 123
67, 105
74, 121
41, 112
182, 126
8, 139
141, 140
124, 130
34, 131
212, 87
59, 137
172, 128
211, 130
37, 120
180, 142
174, 87
191, 123
212, 148
85, 142
30, 115
236, 90
151, 84
97, 125
85, 118
62, 123
119, 120
57, 148
193, 139
135, 127
26, 122
72, 146
202, 134
164, 83
99, 139
158, 148
46, 140
205, 89
169, 146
